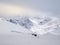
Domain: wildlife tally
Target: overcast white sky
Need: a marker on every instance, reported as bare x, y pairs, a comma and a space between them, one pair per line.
52, 6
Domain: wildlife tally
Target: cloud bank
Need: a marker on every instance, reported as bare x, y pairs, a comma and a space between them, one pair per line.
12, 10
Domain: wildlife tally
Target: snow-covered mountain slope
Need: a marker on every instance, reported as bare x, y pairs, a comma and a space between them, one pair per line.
7, 28
37, 24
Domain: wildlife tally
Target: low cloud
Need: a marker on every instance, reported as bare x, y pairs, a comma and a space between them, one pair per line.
12, 10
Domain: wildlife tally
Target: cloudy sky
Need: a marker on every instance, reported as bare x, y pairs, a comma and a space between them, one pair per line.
14, 7
52, 6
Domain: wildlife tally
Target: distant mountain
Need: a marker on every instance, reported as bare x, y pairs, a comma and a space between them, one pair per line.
40, 25
7, 28
28, 22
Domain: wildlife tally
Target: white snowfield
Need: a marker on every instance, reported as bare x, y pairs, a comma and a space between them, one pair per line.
40, 26
49, 27
6, 28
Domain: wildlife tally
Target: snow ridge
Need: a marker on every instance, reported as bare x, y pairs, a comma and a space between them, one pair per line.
37, 24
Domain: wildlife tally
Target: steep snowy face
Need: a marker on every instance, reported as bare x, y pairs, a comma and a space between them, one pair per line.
7, 28
38, 24
22, 21
44, 25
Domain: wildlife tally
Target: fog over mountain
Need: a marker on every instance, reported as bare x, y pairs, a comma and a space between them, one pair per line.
29, 22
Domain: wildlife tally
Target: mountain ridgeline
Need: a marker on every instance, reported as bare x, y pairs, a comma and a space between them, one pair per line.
47, 24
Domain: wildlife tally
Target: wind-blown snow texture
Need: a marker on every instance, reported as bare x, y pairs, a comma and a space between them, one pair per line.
36, 24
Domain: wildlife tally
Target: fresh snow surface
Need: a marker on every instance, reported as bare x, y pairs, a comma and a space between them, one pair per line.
11, 38
7, 28
34, 24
